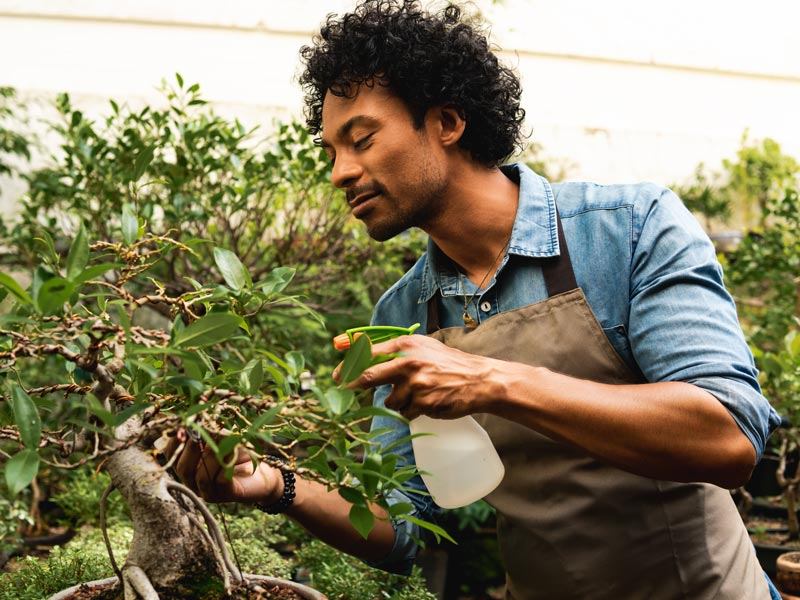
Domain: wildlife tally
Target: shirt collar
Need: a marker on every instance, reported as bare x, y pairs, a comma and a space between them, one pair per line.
535, 233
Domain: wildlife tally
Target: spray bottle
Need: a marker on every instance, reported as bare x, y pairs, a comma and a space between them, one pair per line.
455, 457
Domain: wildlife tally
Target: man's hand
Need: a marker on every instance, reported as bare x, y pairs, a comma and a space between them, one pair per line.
198, 468
431, 378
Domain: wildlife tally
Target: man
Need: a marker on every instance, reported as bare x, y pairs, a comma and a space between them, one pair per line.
585, 326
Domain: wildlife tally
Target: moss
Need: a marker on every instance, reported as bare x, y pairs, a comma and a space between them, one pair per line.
79, 498
342, 577
82, 559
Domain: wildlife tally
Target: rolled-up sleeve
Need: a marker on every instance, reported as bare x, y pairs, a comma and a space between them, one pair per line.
683, 324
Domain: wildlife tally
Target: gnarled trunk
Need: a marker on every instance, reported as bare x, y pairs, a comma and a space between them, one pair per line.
176, 541
168, 544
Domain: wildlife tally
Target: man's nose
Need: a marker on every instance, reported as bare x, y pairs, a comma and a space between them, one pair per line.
346, 172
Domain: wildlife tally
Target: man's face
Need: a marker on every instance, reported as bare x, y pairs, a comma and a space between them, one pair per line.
392, 173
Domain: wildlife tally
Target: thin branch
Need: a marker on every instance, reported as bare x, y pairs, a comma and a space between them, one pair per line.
226, 576
103, 500
211, 523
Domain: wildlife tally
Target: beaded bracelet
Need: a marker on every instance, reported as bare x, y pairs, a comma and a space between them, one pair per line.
285, 500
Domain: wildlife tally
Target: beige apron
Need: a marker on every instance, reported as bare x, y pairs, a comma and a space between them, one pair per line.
570, 526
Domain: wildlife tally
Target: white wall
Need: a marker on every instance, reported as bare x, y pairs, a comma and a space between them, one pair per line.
623, 90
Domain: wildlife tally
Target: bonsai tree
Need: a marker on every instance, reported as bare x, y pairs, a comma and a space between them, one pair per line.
781, 382
762, 274
88, 378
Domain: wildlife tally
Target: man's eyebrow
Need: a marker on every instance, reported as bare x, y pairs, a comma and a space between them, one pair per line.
345, 128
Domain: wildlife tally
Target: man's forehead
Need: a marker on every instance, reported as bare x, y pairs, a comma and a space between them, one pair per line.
368, 103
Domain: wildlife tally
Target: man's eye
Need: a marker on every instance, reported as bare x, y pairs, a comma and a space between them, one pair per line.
362, 143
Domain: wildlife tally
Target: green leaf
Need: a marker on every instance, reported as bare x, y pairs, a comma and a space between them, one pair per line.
252, 376
264, 418
179, 79
794, 344
53, 293
21, 469
26, 416
210, 329
362, 519
226, 446
371, 473
78, 254
143, 160
47, 249
356, 360
232, 269
378, 411
127, 413
130, 224
295, 362
277, 280
12, 286
337, 400
435, 529
352, 495
98, 410
401, 508
94, 272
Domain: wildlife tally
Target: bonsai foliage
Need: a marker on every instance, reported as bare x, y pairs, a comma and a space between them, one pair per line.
89, 378
198, 175
780, 376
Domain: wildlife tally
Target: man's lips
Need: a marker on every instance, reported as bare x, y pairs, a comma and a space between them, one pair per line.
362, 204
361, 198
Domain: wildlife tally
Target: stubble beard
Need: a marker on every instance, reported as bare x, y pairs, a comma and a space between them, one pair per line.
426, 199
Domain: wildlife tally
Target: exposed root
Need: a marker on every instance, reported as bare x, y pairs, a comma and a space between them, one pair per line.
211, 523
226, 577
103, 500
136, 582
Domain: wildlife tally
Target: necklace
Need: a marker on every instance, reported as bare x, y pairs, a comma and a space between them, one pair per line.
469, 322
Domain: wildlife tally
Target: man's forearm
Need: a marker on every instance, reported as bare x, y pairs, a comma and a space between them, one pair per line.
325, 514
668, 430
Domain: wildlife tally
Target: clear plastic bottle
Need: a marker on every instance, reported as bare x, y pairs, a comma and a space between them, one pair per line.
458, 461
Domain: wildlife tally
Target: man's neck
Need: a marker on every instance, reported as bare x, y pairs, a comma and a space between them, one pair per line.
476, 221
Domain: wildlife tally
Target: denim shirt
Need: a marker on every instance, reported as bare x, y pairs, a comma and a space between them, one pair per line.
650, 275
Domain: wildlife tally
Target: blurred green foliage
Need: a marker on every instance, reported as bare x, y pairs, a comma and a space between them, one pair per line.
13, 143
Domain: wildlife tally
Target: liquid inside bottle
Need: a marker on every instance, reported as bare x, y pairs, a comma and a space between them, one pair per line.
458, 461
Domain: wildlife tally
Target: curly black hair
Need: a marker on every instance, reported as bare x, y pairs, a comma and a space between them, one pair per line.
425, 59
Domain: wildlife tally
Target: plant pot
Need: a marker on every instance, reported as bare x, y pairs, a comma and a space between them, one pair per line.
767, 555
763, 481
101, 585
788, 573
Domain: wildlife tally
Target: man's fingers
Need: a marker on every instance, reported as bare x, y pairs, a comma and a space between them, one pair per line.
187, 463
399, 398
206, 473
380, 374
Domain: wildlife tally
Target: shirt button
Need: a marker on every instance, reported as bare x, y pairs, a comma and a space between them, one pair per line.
486, 306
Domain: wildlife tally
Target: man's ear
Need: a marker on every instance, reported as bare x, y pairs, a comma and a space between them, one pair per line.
451, 123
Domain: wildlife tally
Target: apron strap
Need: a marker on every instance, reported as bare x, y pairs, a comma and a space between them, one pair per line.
433, 314
557, 270
558, 278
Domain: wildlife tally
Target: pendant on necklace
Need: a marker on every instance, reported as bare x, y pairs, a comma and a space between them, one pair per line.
469, 322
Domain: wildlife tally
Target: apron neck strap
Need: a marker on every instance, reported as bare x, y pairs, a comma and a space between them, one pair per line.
557, 271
